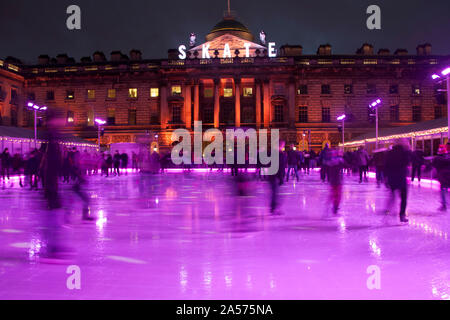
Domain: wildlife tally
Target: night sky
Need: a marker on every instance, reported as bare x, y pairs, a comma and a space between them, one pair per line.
33, 27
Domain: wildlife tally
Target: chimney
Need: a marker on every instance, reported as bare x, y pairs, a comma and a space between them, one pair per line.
116, 56
324, 50
384, 52
420, 50
366, 49
427, 48
291, 51
62, 58
401, 52
99, 56
43, 59
86, 60
135, 55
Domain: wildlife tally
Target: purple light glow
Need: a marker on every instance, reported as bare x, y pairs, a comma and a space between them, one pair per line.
340, 118
435, 76
446, 71
100, 122
30, 104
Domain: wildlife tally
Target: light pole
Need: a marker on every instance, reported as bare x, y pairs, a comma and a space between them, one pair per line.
446, 73
35, 108
374, 105
99, 123
342, 118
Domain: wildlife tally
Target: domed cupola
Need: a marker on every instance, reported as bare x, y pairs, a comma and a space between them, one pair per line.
229, 25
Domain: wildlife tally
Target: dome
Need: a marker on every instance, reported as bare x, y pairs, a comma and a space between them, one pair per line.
231, 26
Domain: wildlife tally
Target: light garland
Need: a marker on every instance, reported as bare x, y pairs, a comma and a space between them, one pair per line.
397, 136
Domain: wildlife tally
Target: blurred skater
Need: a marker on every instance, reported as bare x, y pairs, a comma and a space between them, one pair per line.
397, 161
442, 165
277, 179
335, 167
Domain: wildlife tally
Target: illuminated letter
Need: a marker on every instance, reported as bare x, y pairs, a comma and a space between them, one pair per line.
226, 51
74, 20
272, 50
374, 281
181, 153
205, 52
74, 280
374, 21
247, 49
216, 146
182, 51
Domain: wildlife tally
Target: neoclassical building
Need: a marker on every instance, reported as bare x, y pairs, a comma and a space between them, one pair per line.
230, 80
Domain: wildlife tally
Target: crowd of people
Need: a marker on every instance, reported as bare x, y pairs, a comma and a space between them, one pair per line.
51, 164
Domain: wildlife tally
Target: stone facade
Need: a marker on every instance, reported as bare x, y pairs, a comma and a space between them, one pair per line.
302, 95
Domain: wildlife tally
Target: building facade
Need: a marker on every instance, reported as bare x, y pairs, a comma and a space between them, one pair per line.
231, 80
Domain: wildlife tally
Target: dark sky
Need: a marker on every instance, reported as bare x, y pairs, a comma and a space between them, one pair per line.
33, 27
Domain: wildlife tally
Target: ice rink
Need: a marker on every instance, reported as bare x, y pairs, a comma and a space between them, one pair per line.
189, 236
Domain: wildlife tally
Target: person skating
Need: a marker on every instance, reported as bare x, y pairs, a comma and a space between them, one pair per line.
6, 164
124, 162
442, 165
417, 163
335, 167
116, 162
363, 162
396, 170
293, 160
276, 180
379, 158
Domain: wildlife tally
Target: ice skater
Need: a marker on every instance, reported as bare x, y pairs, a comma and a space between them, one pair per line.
276, 180
397, 161
335, 168
442, 165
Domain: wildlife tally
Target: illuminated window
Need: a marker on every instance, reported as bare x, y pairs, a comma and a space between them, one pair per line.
302, 89
132, 93
111, 93
91, 94
90, 119
70, 95
176, 90
70, 117
208, 93
248, 92
154, 92
228, 92
416, 90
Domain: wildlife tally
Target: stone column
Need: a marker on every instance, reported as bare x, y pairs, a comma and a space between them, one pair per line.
292, 95
267, 104
258, 105
237, 111
216, 103
196, 101
188, 105
164, 107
